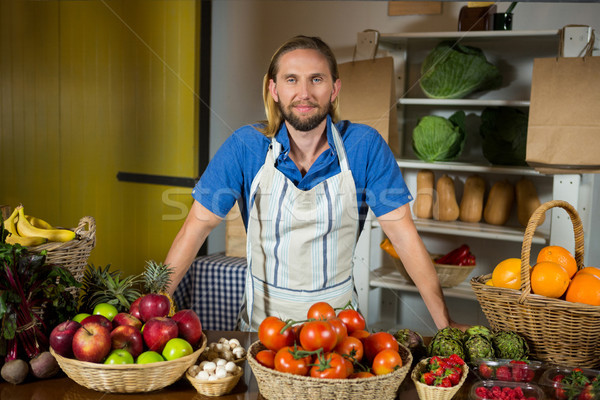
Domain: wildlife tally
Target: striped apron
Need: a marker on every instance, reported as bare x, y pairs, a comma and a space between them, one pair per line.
300, 243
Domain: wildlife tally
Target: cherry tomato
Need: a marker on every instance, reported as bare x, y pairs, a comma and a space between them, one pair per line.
266, 358
361, 374
353, 320
320, 310
360, 334
286, 362
318, 334
377, 342
350, 347
269, 334
333, 366
341, 331
386, 361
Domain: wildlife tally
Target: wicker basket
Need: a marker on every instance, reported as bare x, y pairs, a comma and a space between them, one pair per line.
449, 275
128, 378
217, 387
427, 392
557, 331
72, 255
275, 385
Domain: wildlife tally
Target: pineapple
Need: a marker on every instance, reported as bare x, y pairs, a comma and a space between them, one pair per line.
105, 286
157, 277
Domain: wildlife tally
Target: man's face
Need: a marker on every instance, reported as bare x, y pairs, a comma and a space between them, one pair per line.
304, 88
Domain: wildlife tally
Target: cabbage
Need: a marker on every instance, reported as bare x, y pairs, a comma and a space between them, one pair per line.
439, 139
504, 135
452, 71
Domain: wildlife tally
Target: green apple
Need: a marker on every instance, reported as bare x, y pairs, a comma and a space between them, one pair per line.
105, 309
119, 356
80, 317
177, 348
148, 357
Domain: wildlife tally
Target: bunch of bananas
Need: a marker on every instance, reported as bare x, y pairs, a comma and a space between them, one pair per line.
27, 230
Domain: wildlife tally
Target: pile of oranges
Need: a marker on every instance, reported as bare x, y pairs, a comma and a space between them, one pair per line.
555, 274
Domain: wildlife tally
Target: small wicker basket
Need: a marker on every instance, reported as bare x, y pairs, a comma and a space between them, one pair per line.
449, 275
558, 331
128, 378
426, 392
217, 387
275, 385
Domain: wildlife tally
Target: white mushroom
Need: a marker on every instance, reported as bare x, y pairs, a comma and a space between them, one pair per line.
203, 375
230, 367
210, 366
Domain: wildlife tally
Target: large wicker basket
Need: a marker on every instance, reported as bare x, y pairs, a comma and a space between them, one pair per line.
558, 331
128, 378
275, 385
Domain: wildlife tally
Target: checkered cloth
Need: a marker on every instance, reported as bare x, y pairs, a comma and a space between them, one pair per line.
214, 288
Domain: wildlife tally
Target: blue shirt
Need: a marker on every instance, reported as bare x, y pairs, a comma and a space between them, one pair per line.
229, 175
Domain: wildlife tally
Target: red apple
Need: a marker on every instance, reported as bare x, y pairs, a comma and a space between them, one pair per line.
189, 325
98, 319
91, 342
124, 318
154, 305
61, 337
158, 331
134, 309
128, 338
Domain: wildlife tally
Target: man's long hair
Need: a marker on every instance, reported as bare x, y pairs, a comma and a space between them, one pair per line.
274, 116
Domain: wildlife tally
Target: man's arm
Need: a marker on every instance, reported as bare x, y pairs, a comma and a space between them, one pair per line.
399, 227
198, 224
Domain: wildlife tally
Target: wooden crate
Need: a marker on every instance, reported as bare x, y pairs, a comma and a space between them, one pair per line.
235, 234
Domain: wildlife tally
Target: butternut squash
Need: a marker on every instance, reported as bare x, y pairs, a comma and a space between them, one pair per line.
527, 201
471, 204
499, 203
445, 207
423, 207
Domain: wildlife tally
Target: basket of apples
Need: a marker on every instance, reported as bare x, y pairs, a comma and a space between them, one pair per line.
129, 352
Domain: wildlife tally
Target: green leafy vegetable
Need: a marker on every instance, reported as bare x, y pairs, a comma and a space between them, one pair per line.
439, 139
504, 134
453, 71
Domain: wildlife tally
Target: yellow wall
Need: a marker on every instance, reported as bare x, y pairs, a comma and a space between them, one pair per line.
91, 88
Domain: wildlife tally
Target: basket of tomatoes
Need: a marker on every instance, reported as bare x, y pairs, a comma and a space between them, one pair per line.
328, 355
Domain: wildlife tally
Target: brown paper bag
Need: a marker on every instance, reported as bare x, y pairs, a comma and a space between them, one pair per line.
368, 96
563, 135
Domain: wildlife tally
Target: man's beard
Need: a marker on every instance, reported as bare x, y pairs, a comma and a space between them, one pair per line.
303, 124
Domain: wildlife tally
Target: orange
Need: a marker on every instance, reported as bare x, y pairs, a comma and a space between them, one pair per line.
559, 255
584, 288
590, 270
549, 279
507, 274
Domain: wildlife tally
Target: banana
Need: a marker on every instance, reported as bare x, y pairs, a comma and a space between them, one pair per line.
24, 228
25, 241
38, 223
10, 222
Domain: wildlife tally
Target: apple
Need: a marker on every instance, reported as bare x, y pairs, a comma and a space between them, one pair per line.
158, 331
148, 357
105, 309
134, 309
177, 348
154, 305
80, 317
119, 356
128, 338
61, 337
124, 318
190, 327
98, 319
91, 342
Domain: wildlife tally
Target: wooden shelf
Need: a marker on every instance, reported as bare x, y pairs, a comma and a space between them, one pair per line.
462, 102
402, 36
467, 167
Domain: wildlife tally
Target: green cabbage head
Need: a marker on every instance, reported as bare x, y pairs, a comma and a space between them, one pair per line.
436, 138
453, 71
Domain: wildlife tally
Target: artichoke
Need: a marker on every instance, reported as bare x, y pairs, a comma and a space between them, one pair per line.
478, 346
453, 333
479, 330
510, 345
445, 346
413, 341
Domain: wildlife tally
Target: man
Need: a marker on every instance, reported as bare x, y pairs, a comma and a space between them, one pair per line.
304, 184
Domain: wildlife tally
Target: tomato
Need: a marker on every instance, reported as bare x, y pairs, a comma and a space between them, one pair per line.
330, 366
350, 347
360, 334
266, 358
340, 329
377, 342
286, 362
353, 320
269, 334
386, 361
318, 334
361, 374
320, 310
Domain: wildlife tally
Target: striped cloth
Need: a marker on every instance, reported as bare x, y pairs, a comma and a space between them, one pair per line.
213, 287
